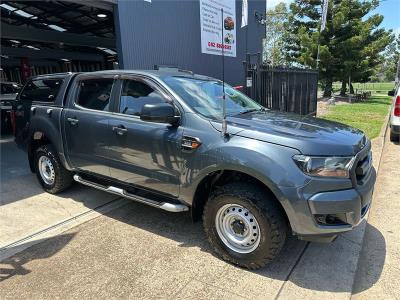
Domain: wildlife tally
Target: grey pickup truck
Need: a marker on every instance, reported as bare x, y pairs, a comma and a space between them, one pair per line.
156, 137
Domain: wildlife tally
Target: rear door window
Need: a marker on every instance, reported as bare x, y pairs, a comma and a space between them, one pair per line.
95, 93
135, 94
41, 90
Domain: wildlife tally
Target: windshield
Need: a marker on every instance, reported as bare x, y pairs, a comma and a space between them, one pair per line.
205, 97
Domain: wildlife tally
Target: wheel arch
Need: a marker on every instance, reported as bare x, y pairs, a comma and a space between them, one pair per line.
219, 177
39, 137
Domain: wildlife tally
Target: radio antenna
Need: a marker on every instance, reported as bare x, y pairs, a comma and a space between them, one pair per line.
224, 124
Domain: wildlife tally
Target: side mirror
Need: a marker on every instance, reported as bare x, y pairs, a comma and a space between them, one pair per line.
159, 113
391, 93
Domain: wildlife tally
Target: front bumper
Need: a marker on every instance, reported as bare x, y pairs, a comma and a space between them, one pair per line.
321, 216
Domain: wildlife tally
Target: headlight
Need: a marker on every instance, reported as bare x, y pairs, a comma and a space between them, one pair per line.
325, 166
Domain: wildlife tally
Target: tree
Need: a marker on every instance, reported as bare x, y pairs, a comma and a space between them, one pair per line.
386, 71
274, 44
349, 45
303, 39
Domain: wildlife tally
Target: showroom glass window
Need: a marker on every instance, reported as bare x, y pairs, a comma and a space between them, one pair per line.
95, 93
135, 94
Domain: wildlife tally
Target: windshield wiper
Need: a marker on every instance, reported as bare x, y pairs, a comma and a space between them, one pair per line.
251, 110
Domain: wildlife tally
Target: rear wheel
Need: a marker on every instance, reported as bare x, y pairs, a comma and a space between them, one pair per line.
244, 225
394, 137
51, 174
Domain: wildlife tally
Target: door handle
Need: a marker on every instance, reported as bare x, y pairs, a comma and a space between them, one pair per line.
72, 121
49, 111
120, 130
33, 109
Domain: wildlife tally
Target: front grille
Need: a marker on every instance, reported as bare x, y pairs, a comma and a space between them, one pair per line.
363, 166
364, 210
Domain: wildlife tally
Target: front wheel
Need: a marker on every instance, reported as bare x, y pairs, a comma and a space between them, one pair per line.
51, 174
244, 225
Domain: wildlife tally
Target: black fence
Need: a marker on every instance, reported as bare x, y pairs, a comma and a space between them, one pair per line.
283, 89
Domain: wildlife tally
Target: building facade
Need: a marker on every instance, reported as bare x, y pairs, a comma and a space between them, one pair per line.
165, 32
41, 37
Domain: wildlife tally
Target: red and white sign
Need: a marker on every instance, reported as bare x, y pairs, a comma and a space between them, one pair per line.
212, 27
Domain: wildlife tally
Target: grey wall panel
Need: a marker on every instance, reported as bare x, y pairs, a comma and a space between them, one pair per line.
168, 32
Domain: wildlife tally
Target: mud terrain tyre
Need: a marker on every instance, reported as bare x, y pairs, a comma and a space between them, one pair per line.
51, 174
244, 225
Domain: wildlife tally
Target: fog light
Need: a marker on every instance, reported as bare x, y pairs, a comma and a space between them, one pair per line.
331, 219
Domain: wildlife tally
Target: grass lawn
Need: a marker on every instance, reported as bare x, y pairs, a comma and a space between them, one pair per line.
367, 116
383, 87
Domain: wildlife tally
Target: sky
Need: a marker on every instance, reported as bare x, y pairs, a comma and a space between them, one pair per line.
390, 9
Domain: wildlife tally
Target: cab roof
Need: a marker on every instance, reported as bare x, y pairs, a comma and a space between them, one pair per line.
162, 73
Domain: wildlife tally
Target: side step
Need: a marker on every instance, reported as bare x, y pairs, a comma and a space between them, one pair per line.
171, 207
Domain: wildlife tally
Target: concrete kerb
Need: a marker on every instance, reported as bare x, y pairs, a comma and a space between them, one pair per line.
377, 148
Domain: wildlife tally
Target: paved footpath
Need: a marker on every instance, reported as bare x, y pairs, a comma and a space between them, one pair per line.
379, 264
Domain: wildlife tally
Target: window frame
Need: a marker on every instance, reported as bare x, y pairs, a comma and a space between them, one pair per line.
75, 94
150, 82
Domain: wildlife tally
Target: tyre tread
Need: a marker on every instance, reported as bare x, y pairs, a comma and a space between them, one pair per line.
267, 207
63, 180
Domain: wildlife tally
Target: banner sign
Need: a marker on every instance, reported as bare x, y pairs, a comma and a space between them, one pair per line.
211, 27
245, 13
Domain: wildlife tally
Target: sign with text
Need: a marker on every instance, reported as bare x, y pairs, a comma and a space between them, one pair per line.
211, 25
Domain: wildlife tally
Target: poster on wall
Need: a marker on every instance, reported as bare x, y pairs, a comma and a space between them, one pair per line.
211, 25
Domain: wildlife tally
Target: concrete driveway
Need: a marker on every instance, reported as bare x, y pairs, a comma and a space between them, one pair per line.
135, 251
25, 209
140, 252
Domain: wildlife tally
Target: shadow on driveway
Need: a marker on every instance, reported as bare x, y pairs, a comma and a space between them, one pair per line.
44, 249
319, 267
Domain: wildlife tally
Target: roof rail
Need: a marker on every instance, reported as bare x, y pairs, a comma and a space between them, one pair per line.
175, 68
53, 74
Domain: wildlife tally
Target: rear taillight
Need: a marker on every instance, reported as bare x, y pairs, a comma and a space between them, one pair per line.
397, 107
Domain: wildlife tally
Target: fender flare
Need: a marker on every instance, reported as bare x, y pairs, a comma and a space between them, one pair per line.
242, 169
